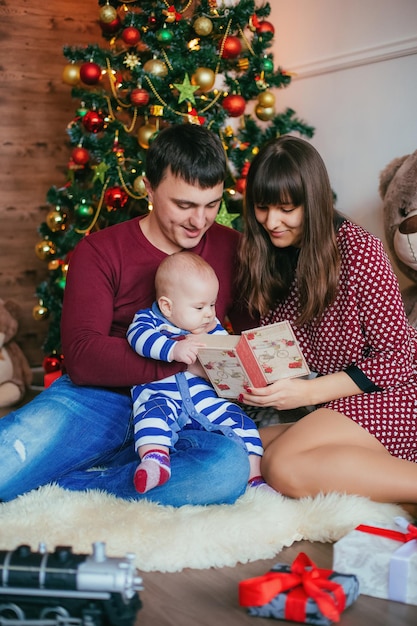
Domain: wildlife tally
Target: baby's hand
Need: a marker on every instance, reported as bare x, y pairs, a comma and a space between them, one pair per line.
186, 350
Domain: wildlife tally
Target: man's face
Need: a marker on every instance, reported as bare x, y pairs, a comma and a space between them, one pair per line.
181, 213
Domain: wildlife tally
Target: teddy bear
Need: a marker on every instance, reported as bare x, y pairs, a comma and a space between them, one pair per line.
15, 372
398, 190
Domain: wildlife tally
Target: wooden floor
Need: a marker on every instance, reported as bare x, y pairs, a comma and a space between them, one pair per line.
210, 597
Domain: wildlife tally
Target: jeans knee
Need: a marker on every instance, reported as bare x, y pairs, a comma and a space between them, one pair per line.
231, 471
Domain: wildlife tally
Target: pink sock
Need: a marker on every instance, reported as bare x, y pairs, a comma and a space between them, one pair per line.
256, 481
259, 483
153, 470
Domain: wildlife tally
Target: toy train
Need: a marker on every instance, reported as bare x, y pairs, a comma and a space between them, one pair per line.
65, 589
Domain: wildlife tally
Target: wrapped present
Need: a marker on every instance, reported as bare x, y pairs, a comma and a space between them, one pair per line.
383, 558
300, 592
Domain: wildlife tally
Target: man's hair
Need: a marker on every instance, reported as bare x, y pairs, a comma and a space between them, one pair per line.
193, 153
178, 267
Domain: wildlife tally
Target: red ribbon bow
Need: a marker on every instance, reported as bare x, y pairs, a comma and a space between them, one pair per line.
304, 579
390, 534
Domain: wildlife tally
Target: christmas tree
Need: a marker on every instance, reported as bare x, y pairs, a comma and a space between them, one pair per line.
162, 62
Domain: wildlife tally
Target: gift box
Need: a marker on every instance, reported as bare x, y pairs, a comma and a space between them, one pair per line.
383, 558
300, 592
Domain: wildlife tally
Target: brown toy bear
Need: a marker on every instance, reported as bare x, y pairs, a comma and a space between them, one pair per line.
398, 190
15, 373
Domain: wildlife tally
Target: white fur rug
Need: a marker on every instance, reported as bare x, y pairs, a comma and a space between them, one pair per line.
167, 539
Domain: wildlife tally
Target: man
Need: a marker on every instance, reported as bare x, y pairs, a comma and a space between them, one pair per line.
84, 419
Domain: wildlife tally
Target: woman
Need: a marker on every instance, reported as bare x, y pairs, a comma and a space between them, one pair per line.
332, 280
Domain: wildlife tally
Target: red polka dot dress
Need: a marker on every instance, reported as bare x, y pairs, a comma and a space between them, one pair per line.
365, 332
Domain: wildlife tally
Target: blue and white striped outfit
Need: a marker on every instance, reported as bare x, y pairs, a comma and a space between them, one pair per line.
164, 407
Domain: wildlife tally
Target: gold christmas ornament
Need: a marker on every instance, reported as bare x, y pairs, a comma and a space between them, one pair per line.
204, 77
107, 14
266, 99
156, 67
203, 26
145, 133
40, 312
45, 249
139, 185
265, 114
56, 220
71, 74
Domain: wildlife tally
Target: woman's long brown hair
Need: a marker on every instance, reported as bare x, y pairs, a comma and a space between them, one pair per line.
290, 170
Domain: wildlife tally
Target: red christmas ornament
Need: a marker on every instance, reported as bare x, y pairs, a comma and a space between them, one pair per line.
131, 35
234, 105
240, 185
245, 169
90, 73
265, 27
232, 47
80, 155
51, 364
109, 28
93, 122
115, 198
139, 97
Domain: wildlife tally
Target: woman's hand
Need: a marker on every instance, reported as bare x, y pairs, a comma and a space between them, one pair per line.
292, 393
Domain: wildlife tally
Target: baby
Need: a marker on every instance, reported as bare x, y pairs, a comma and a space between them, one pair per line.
172, 330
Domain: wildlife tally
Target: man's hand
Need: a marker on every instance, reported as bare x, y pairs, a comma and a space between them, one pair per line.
197, 369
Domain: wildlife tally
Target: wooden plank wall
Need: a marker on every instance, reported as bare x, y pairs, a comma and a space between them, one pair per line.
35, 108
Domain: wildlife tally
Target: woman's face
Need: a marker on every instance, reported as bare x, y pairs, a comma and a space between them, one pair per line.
282, 222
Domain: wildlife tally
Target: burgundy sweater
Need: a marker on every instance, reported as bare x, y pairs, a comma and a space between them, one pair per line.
110, 277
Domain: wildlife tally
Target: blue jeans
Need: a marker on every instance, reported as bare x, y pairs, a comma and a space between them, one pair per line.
67, 430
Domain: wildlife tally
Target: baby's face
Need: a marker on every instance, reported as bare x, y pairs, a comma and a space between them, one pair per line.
194, 304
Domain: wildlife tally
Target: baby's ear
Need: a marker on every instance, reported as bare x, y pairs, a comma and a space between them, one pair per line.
165, 306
